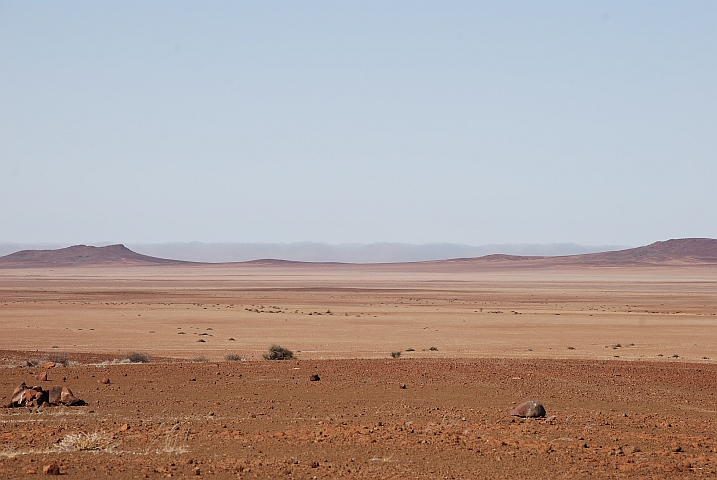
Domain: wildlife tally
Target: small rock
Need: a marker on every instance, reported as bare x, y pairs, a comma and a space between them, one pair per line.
31, 471
124, 428
529, 409
41, 377
314, 378
105, 381
48, 365
51, 469
403, 386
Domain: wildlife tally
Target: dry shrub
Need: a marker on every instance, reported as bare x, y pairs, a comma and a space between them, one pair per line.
59, 358
137, 357
277, 352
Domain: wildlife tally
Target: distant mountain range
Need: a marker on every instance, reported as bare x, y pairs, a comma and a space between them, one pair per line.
678, 251
382, 252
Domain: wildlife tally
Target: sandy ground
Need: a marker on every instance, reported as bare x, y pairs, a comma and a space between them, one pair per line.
364, 311
623, 358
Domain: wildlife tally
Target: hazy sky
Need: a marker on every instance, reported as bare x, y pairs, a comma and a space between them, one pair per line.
466, 122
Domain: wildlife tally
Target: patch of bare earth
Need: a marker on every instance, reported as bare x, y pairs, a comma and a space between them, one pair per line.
267, 419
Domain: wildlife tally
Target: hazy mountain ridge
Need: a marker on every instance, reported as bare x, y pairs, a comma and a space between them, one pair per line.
690, 250
383, 252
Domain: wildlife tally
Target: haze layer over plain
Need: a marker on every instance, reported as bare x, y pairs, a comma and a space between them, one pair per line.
473, 123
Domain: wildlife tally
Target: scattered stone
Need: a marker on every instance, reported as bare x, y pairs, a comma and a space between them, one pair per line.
124, 428
27, 396
42, 377
51, 469
24, 396
403, 386
529, 409
105, 381
48, 365
314, 378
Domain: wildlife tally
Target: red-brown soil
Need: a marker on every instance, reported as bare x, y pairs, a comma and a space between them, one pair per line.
606, 419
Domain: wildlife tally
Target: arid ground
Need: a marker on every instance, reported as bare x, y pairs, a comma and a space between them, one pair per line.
623, 358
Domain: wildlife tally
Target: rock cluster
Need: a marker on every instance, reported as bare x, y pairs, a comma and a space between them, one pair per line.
24, 396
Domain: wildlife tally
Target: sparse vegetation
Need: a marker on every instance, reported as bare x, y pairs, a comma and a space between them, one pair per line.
571, 348
395, 354
59, 358
433, 349
85, 442
233, 357
199, 359
277, 352
137, 357
410, 350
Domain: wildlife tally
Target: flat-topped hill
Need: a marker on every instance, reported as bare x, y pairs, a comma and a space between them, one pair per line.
691, 251
78, 255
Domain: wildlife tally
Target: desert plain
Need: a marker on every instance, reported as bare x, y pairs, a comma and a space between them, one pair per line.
621, 356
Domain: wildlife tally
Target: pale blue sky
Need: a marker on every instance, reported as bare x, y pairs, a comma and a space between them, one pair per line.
343, 122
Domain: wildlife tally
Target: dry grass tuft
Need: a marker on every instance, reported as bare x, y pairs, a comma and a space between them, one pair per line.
86, 442
172, 440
